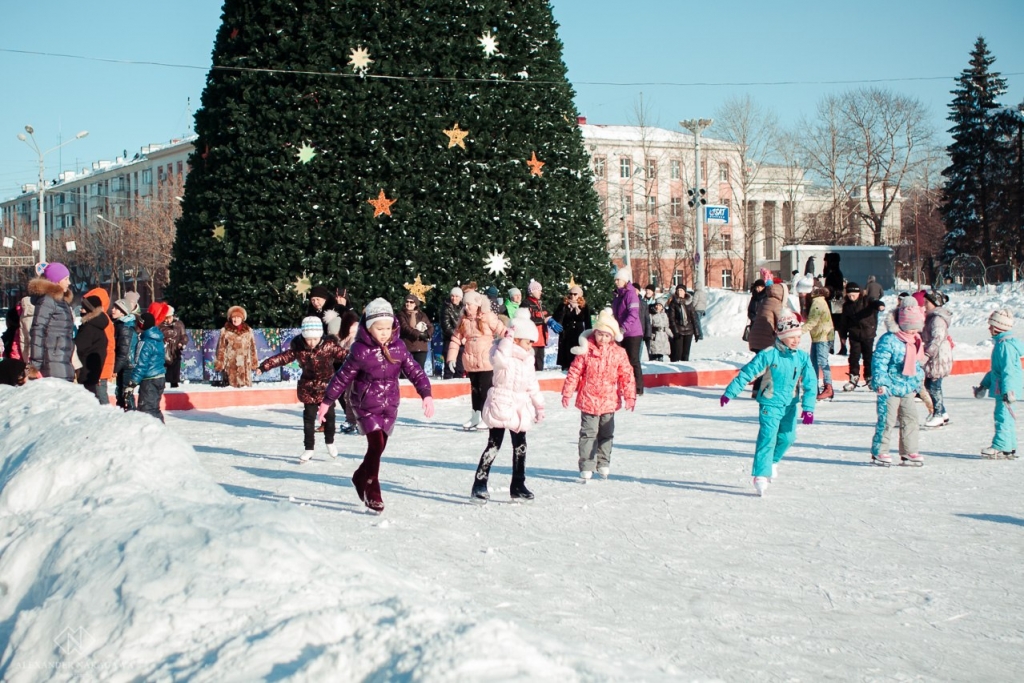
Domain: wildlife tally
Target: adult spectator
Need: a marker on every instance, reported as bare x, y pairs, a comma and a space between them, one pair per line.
626, 309
53, 323
835, 282
236, 351
874, 291
573, 315
757, 295
415, 329
645, 318
762, 330
700, 301
451, 314
175, 341
684, 322
539, 316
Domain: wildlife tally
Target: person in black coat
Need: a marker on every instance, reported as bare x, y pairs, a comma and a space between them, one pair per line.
126, 338
91, 345
757, 295
573, 315
835, 282
859, 323
451, 314
684, 323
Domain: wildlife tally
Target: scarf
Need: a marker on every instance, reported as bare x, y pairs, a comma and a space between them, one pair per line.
915, 351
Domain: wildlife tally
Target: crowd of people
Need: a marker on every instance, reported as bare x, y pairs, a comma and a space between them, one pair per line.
355, 359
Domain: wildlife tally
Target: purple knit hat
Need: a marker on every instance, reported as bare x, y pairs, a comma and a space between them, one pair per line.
55, 272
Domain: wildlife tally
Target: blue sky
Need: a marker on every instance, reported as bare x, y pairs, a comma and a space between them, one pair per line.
125, 106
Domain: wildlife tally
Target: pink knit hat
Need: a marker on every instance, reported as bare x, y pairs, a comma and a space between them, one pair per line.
910, 316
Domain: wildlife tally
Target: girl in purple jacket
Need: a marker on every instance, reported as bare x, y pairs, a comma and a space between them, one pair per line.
377, 358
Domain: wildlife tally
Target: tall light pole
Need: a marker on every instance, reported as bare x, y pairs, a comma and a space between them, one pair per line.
42, 180
696, 126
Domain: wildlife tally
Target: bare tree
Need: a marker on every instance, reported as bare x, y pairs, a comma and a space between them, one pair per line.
149, 234
921, 220
826, 152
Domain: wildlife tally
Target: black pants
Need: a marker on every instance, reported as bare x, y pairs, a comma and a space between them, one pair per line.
309, 425
420, 357
632, 347
681, 347
99, 390
858, 348
496, 435
460, 370
538, 357
172, 372
480, 384
150, 391
125, 394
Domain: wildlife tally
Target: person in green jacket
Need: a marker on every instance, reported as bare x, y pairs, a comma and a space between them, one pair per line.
786, 370
1003, 382
819, 326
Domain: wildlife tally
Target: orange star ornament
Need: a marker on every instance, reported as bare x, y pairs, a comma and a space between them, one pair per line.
381, 204
535, 165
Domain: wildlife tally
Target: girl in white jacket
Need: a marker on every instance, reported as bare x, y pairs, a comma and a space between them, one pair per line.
513, 403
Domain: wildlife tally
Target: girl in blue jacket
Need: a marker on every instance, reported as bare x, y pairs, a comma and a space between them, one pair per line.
786, 370
897, 374
148, 370
1003, 382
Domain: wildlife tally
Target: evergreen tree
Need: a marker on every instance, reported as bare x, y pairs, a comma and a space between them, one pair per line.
313, 108
973, 173
1008, 123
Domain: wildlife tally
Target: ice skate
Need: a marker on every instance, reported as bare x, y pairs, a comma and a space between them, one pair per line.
945, 418
852, 384
603, 472
471, 424
347, 428
305, 457
883, 460
585, 476
912, 460
990, 453
480, 493
519, 492
775, 472
826, 393
761, 485
934, 421
332, 450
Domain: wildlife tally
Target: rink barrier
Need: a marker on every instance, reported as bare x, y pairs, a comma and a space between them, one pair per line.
659, 376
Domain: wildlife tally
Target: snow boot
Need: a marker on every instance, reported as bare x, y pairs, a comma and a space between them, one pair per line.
372, 497
912, 460
934, 421
332, 450
761, 485
518, 490
945, 418
473, 421
483, 471
604, 471
852, 384
994, 454
826, 393
305, 457
883, 460
585, 475
775, 472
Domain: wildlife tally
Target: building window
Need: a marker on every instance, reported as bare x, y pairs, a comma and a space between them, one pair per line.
678, 278
180, 167
676, 207
147, 176
599, 167
723, 171
652, 205
676, 171
652, 168
69, 221
161, 174
625, 166
726, 241
789, 220
726, 278
678, 241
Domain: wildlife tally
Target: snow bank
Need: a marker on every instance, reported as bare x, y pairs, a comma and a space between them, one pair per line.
121, 559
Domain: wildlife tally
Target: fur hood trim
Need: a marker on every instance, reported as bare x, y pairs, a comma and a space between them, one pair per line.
41, 286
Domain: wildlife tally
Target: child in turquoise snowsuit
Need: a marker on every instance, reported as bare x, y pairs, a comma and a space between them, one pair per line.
1004, 382
786, 369
897, 377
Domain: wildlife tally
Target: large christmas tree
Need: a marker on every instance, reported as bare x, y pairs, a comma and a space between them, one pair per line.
363, 143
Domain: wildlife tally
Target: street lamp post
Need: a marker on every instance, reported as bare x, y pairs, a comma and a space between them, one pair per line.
696, 126
42, 179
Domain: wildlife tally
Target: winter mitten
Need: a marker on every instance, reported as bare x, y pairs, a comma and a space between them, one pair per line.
979, 392
722, 401
808, 417
1010, 397
451, 366
428, 407
321, 412
421, 326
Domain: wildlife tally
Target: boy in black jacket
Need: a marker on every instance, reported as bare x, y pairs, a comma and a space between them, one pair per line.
859, 323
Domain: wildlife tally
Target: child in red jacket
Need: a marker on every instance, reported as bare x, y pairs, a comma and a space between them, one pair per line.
604, 376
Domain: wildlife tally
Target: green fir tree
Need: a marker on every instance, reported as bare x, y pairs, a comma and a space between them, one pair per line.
313, 108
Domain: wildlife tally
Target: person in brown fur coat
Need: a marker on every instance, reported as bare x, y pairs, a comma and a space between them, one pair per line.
236, 350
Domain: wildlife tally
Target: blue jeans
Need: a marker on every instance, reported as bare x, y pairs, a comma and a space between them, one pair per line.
934, 389
819, 360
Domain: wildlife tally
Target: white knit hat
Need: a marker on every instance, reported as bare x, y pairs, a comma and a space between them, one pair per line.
606, 322
1002, 319
456, 291
376, 309
312, 328
513, 292
523, 327
475, 298
625, 273
788, 326
534, 287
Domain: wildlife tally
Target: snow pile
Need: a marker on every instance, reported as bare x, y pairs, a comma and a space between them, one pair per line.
121, 559
726, 314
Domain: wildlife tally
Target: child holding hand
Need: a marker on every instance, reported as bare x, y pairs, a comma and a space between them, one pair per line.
897, 375
377, 358
1004, 382
605, 379
785, 369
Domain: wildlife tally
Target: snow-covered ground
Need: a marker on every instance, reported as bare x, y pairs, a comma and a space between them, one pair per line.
201, 550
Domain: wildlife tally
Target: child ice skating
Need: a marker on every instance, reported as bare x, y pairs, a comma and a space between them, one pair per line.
605, 379
377, 358
514, 403
938, 347
786, 370
897, 374
316, 355
1003, 382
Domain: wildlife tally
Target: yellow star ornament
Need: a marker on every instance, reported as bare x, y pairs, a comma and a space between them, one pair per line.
381, 204
535, 165
302, 284
218, 232
456, 136
418, 289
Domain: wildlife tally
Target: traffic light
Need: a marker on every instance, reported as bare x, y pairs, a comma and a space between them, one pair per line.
697, 196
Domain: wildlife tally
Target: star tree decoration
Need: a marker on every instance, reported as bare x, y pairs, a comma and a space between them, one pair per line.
496, 263
381, 204
535, 165
359, 60
306, 153
302, 284
418, 289
218, 232
456, 136
489, 44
